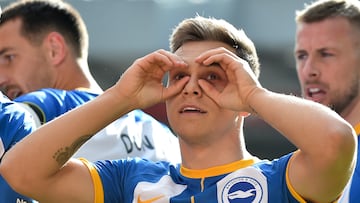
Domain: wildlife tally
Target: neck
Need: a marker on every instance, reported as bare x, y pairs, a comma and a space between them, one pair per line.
213, 154
76, 77
351, 114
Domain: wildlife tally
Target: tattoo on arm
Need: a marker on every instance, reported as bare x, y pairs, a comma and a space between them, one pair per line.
64, 154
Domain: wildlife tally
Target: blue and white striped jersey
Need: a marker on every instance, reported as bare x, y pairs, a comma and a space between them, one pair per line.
246, 181
15, 124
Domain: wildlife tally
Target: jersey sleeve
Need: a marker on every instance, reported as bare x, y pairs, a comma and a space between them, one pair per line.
98, 188
15, 122
50, 103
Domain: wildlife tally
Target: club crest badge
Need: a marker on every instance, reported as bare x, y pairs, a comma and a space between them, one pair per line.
243, 187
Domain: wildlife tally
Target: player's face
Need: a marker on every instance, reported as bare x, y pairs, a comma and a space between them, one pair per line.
23, 66
192, 114
327, 57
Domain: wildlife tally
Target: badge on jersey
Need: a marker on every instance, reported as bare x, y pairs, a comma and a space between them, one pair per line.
245, 185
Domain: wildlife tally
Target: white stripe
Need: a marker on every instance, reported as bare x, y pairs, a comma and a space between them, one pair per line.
33, 114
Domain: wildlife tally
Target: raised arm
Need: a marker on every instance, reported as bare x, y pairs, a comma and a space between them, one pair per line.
39, 165
326, 142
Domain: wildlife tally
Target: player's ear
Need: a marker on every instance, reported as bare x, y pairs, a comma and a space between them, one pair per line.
56, 48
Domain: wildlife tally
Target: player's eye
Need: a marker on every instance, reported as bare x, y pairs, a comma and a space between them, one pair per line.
6, 59
212, 76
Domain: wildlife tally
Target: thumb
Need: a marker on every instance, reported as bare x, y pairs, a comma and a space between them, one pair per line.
174, 88
209, 89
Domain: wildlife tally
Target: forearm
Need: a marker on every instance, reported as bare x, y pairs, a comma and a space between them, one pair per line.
327, 142
306, 124
39, 156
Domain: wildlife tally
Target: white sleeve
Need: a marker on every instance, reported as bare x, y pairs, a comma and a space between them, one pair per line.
32, 112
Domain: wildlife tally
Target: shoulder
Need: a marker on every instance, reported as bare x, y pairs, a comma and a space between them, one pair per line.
15, 123
13, 113
49, 103
47, 94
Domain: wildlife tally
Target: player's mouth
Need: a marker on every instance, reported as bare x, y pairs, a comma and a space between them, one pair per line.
191, 109
315, 94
